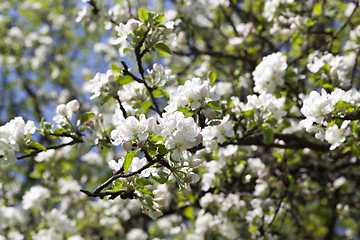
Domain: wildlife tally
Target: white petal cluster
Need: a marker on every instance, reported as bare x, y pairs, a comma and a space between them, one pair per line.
35, 197
160, 76
60, 222
271, 6
125, 30
335, 135
180, 133
11, 135
270, 73
265, 105
315, 107
130, 129
339, 65
133, 90
64, 112
318, 106
100, 80
193, 94
220, 132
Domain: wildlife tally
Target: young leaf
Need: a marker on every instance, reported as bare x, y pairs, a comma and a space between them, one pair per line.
143, 182
317, 10
128, 160
143, 14
214, 105
268, 135
123, 80
160, 176
104, 100
163, 47
86, 117
37, 146
115, 68
146, 105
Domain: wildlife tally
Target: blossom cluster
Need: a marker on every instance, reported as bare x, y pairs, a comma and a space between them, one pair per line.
270, 73
12, 137
317, 108
193, 94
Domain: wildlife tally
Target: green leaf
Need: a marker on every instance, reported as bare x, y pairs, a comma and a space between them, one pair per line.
123, 80
162, 149
160, 176
189, 212
317, 10
115, 68
143, 182
163, 47
212, 78
157, 93
104, 100
126, 50
145, 190
118, 184
128, 160
143, 14
214, 105
268, 135
341, 104
249, 112
159, 18
157, 138
37, 146
164, 54
146, 105
86, 117
149, 201
59, 131
164, 92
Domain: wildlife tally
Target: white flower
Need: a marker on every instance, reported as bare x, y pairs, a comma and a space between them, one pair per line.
136, 234
45, 234
339, 182
224, 129
180, 145
35, 197
130, 129
96, 84
314, 108
193, 94
11, 135
59, 221
336, 136
269, 73
125, 30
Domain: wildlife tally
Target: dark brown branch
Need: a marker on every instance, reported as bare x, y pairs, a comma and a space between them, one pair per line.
34, 153
121, 174
121, 106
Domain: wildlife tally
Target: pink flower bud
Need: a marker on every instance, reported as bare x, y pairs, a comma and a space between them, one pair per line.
73, 105
158, 192
110, 75
141, 143
204, 91
161, 201
62, 110
195, 163
157, 214
127, 146
188, 179
134, 26
198, 139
